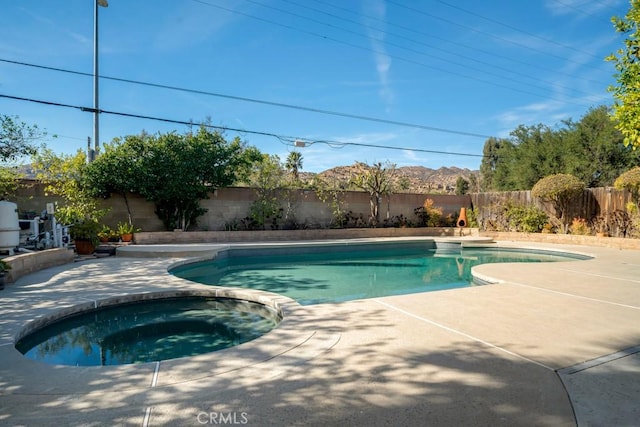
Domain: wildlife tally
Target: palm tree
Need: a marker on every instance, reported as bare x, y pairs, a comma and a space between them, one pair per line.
294, 163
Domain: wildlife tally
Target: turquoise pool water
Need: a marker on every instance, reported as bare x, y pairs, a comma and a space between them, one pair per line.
148, 331
314, 275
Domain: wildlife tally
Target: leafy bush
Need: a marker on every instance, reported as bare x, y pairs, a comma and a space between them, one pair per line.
397, 221
472, 217
580, 227
630, 181
527, 219
428, 215
560, 189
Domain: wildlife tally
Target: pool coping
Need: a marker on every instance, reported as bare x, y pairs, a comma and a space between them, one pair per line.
297, 342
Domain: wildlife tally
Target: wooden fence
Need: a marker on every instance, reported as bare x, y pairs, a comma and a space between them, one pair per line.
604, 203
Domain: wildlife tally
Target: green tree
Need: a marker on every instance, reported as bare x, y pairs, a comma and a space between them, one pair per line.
492, 155
332, 192
627, 63
595, 150
474, 183
462, 186
118, 169
560, 190
267, 180
538, 153
9, 181
63, 176
181, 170
590, 149
630, 181
294, 164
171, 170
378, 180
17, 138
502, 177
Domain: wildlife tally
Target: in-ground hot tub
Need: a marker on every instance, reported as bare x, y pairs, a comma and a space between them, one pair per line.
145, 330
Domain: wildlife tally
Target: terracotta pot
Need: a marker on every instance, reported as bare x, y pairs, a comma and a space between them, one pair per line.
84, 247
462, 219
127, 237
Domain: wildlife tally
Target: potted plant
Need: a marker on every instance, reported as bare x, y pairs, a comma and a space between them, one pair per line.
4, 268
126, 231
105, 233
85, 236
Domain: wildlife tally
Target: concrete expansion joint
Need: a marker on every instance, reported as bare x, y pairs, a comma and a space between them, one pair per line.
574, 369
458, 332
154, 382
572, 295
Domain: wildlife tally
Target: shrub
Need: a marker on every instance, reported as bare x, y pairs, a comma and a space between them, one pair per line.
630, 181
528, 219
580, 227
428, 215
472, 217
560, 189
548, 228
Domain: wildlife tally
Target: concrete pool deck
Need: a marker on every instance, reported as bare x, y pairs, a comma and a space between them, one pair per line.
549, 344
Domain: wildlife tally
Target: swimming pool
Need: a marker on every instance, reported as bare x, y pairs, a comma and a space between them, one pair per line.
147, 331
333, 273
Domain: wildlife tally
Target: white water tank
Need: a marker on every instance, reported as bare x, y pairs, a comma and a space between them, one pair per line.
9, 226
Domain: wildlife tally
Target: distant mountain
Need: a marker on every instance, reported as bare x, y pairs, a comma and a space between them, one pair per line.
426, 180
421, 179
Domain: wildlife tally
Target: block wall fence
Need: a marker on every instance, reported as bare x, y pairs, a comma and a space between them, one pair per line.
228, 205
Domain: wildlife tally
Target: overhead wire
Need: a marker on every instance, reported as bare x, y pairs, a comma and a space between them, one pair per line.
291, 139
433, 36
577, 7
310, 109
476, 30
419, 52
511, 27
400, 58
258, 101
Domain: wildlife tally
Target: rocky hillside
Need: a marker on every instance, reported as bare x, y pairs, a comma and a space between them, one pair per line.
421, 179
425, 180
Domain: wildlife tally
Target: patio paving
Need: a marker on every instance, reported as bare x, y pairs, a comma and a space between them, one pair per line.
549, 345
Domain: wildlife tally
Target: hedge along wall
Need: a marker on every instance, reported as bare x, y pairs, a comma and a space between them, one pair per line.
229, 205
594, 202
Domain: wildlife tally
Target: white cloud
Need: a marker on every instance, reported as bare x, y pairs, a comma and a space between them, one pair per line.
377, 8
581, 8
527, 115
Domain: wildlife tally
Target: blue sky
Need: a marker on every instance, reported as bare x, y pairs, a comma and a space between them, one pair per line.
434, 76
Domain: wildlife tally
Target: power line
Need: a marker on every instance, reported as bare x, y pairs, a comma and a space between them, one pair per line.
436, 37
466, 66
448, 21
511, 27
291, 139
258, 101
400, 58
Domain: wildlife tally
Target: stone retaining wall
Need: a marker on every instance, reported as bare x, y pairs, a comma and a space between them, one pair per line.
24, 264
182, 237
566, 239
